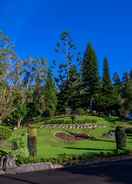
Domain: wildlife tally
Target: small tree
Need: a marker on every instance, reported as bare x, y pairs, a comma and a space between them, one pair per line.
121, 138
20, 111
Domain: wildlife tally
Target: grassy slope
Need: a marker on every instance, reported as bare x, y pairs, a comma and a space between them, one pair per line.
50, 146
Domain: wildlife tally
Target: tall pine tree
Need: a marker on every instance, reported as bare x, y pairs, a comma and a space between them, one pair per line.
90, 78
107, 83
108, 100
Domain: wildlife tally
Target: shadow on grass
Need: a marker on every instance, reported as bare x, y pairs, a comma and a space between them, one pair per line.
129, 136
104, 140
89, 149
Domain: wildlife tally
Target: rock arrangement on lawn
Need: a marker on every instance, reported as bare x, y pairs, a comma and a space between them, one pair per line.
73, 126
110, 135
72, 136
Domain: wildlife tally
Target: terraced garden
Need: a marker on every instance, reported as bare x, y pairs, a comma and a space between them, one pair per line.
54, 142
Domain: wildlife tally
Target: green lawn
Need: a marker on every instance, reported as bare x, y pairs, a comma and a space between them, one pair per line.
48, 145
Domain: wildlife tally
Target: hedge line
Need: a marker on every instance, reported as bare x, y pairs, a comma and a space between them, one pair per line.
70, 121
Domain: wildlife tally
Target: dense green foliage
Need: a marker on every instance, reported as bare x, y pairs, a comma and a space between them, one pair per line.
50, 96
72, 119
5, 132
90, 78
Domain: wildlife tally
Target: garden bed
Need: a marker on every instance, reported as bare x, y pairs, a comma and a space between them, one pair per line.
71, 137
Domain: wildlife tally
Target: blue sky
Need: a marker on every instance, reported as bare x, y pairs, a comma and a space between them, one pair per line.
35, 25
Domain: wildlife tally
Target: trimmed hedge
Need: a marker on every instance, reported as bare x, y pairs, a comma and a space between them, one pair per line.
59, 121
70, 121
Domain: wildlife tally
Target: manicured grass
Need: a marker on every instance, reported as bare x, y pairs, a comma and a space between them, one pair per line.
55, 146
49, 146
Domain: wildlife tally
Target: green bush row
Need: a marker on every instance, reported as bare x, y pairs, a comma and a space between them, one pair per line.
70, 121
59, 121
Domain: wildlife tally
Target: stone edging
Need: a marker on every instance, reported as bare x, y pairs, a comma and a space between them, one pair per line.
25, 168
74, 126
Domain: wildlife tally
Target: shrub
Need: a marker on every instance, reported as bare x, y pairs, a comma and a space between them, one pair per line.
18, 146
121, 138
5, 132
3, 153
14, 144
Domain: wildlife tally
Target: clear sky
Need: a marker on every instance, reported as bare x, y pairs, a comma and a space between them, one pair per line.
35, 25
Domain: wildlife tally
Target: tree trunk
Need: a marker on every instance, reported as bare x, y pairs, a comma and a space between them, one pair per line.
19, 123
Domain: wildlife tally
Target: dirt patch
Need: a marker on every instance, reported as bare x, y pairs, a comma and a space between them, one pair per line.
71, 137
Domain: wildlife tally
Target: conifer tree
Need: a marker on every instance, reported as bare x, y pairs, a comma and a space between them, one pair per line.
107, 83
116, 79
108, 100
90, 77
